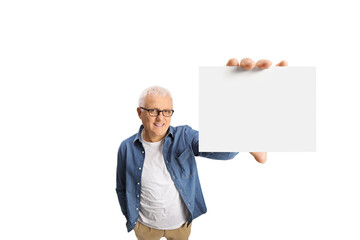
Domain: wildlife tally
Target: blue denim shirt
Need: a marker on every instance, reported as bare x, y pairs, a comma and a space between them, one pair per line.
181, 145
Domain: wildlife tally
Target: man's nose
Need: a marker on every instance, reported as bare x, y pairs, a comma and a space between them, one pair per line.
159, 116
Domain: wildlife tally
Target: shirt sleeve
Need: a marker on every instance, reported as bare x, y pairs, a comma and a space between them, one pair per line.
193, 137
121, 180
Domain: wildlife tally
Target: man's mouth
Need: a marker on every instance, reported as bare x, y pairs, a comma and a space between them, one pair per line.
159, 124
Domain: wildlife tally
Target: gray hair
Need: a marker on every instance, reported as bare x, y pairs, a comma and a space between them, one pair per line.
154, 90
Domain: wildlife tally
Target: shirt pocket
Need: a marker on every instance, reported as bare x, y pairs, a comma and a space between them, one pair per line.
186, 163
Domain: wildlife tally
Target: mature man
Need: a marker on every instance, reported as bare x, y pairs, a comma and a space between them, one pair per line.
157, 180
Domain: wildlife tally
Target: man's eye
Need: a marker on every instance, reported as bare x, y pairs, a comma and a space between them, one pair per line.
153, 111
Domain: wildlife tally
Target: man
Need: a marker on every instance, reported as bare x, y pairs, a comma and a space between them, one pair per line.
157, 180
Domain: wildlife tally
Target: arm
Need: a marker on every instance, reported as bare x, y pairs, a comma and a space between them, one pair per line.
249, 64
121, 180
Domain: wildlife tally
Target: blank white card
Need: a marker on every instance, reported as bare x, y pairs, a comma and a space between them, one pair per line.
271, 110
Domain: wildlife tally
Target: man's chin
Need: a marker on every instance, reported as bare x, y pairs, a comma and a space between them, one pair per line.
161, 134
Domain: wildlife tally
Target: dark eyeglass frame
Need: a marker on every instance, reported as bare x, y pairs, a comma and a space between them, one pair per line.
158, 111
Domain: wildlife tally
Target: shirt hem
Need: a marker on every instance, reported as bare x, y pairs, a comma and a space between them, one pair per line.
166, 228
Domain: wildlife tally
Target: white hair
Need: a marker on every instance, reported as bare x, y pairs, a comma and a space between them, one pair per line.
155, 91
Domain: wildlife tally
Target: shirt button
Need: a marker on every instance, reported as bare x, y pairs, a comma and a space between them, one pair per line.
138, 183
139, 168
137, 195
137, 209
142, 152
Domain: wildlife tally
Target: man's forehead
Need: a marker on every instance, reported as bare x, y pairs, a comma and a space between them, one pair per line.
158, 101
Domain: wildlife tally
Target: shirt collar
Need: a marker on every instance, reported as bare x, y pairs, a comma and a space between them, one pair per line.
170, 132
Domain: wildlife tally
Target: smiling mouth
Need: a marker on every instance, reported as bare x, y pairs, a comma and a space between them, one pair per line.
159, 124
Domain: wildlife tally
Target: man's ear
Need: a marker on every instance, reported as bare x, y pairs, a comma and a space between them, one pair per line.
139, 112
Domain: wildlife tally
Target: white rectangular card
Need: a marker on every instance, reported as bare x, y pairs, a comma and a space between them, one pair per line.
271, 110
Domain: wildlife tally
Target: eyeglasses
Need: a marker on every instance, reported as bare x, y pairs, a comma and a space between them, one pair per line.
155, 112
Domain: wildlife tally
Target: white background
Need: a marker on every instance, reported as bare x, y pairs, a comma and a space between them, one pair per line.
71, 73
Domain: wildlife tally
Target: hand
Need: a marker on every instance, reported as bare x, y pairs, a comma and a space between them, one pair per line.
260, 157
248, 64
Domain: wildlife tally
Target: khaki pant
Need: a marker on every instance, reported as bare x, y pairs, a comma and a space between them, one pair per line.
143, 232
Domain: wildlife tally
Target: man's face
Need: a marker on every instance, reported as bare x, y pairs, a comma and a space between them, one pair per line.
155, 128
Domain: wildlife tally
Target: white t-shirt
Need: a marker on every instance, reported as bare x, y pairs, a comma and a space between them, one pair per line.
161, 206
